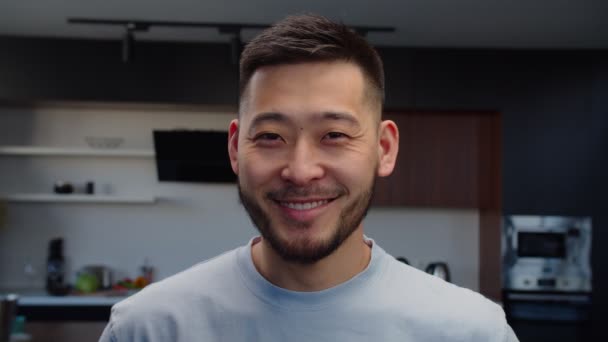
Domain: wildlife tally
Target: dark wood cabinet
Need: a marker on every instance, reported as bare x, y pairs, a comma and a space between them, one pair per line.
440, 162
451, 160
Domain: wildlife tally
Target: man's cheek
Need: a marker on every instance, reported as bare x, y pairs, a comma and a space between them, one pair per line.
352, 171
255, 174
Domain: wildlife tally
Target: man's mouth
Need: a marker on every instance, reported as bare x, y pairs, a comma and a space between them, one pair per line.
306, 205
303, 210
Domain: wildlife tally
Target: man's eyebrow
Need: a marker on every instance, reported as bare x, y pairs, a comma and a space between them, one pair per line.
267, 117
338, 116
278, 117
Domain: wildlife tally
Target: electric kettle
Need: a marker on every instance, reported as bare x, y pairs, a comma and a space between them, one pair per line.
439, 269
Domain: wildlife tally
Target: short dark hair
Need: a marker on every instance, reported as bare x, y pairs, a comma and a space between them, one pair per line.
311, 38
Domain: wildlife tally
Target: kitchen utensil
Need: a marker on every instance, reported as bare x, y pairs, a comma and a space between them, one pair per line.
147, 271
61, 187
439, 269
403, 260
102, 273
8, 310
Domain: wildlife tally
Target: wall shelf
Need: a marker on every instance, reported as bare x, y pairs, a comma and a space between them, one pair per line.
78, 198
74, 152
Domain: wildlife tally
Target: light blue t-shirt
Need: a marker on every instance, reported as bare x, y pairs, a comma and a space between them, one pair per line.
226, 299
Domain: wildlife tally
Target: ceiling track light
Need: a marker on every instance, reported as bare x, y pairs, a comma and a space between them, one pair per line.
233, 29
235, 48
236, 42
128, 39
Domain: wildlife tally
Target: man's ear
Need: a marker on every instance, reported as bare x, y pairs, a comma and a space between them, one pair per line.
388, 147
233, 145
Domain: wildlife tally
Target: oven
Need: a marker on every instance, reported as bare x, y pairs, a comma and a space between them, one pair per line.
547, 253
547, 292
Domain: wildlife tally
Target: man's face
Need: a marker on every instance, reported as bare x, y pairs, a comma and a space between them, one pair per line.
306, 156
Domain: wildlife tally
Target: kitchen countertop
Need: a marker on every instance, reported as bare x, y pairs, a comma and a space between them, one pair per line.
46, 300
39, 297
37, 305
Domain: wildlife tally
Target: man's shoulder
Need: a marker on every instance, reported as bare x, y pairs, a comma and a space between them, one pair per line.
169, 301
206, 276
427, 300
431, 288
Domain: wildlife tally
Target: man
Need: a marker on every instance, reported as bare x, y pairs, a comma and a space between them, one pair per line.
307, 146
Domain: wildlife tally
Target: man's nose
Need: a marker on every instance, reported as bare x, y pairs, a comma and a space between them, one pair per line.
303, 165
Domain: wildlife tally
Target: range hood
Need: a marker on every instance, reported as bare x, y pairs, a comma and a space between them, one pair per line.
196, 156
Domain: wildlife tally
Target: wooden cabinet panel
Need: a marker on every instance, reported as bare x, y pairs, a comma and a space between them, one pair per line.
452, 160
64, 331
438, 162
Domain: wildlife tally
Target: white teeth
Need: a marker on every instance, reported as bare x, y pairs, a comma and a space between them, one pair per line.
303, 206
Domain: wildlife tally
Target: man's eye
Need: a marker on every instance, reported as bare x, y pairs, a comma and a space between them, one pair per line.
335, 135
267, 137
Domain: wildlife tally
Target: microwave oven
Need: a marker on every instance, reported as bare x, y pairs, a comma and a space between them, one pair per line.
547, 253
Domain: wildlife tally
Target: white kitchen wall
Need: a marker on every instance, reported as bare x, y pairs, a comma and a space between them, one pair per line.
189, 223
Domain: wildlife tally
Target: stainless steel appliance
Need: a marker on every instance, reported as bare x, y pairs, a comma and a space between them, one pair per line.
439, 269
547, 277
547, 253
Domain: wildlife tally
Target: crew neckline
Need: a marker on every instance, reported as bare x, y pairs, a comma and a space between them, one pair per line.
306, 301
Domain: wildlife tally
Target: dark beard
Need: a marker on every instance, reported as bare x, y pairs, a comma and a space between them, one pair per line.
307, 251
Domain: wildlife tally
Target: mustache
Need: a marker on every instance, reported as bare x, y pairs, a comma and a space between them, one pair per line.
291, 191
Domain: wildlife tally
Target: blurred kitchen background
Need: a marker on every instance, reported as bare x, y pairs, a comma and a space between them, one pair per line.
502, 107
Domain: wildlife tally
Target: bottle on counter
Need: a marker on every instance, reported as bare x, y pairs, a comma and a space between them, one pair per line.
147, 271
55, 269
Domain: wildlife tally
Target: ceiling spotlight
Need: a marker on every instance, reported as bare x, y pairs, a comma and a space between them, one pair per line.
235, 41
128, 41
235, 48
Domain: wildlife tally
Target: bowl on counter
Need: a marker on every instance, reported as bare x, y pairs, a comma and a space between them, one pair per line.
104, 142
94, 277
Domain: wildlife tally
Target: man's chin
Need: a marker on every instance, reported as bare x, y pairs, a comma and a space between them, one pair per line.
309, 241
302, 249
302, 242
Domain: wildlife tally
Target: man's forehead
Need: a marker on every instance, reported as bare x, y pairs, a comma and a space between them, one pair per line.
289, 87
305, 68
295, 76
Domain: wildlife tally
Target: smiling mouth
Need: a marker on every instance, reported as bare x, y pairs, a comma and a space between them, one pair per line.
303, 205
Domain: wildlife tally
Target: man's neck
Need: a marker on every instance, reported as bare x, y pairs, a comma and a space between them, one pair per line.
350, 259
